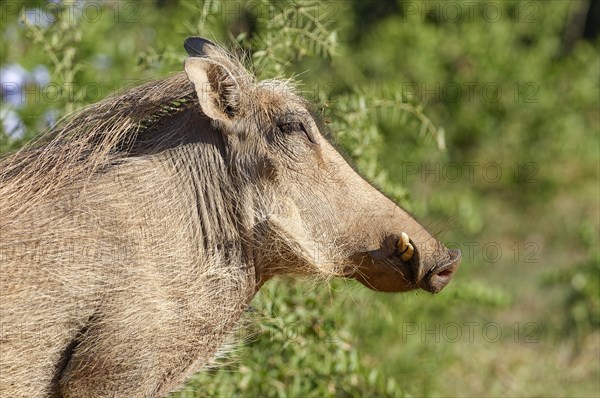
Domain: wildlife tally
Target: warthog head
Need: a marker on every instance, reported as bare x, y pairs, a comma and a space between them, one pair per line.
312, 213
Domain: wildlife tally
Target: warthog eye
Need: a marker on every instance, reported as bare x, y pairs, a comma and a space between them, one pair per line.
295, 128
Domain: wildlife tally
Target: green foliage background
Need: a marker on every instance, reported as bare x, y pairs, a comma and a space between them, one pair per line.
393, 79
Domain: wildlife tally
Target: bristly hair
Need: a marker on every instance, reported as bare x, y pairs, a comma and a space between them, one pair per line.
100, 134
94, 137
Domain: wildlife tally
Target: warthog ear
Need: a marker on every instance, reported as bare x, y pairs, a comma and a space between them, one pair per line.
217, 90
198, 47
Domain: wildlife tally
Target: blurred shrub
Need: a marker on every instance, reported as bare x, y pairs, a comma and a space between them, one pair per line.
580, 294
295, 344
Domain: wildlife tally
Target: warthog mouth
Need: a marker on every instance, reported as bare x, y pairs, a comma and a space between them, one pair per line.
403, 254
440, 274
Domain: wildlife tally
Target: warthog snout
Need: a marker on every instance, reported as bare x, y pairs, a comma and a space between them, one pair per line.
402, 259
440, 275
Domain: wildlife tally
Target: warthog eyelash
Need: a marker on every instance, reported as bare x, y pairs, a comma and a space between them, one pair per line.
295, 127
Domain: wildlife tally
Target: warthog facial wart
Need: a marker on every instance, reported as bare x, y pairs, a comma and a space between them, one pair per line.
139, 229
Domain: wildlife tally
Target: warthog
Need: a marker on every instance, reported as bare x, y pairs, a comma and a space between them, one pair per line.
136, 233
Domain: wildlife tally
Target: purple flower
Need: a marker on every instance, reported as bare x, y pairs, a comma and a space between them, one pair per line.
13, 78
11, 123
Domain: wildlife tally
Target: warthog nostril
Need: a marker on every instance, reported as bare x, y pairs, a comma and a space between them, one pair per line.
439, 276
445, 273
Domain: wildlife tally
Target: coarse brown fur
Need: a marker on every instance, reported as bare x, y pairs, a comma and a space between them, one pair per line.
136, 233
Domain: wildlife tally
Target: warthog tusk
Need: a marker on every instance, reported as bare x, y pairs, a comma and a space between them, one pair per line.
410, 250
405, 248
